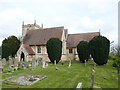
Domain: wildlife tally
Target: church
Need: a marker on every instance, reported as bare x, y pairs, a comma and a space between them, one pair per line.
34, 39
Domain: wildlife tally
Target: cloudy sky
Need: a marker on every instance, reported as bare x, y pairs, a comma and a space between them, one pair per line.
78, 16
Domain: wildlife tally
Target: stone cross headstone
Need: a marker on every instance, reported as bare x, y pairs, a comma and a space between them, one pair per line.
43, 64
33, 63
69, 64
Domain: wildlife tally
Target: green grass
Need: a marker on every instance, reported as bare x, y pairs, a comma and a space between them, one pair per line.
105, 76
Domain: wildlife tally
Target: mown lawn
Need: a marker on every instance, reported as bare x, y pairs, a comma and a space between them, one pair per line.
105, 76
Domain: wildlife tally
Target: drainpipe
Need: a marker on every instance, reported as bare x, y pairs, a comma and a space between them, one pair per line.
36, 52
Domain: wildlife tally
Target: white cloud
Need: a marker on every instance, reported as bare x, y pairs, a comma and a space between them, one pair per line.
76, 15
88, 24
12, 21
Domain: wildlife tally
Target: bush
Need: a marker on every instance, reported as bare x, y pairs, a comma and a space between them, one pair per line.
54, 49
10, 47
116, 62
99, 49
83, 51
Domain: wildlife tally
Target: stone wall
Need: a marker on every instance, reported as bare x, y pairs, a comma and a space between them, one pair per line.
44, 56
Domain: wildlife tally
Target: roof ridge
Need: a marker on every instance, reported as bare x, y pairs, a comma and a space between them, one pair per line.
47, 28
83, 33
54, 27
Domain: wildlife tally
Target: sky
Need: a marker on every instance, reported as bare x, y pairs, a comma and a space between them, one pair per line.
78, 16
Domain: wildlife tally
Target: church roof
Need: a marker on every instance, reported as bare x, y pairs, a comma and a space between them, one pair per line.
29, 49
41, 36
74, 39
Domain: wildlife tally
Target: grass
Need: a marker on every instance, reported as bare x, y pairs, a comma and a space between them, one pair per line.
105, 76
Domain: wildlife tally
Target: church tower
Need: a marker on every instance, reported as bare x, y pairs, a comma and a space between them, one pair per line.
28, 27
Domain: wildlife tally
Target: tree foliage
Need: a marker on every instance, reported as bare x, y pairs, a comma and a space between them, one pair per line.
99, 49
10, 46
83, 51
0, 50
54, 49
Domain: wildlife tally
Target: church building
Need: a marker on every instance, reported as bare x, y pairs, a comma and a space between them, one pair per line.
34, 39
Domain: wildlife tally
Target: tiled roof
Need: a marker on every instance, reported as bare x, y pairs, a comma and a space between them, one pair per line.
41, 36
74, 39
29, 49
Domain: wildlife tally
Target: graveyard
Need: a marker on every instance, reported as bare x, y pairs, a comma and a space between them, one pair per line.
62, 75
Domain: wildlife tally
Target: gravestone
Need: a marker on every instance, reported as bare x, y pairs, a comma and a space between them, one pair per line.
92, 78
10, 61
46, 64
57, 68
3, 62
15, 61
91, 58
69, 64
40, 60
33, 63
43, 64
55, 62
36, 62
85, 63
79, 86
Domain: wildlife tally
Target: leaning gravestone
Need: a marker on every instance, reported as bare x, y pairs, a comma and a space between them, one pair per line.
33, 63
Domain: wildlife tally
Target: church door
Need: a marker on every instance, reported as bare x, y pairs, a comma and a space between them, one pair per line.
22, 57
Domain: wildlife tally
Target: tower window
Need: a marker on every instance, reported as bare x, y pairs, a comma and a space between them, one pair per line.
70, 50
